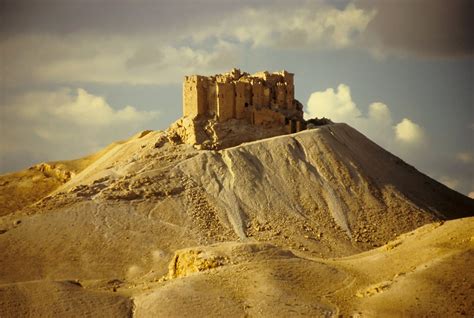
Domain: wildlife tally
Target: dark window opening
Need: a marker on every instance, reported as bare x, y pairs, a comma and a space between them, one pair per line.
246, 104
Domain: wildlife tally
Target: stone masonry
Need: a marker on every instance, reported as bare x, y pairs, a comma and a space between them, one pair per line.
264, 98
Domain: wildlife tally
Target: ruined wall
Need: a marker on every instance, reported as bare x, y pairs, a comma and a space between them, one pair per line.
267, 96
290, 89
194, 95
290, 97
248, 94
281, 95
289, 78
257, 94
225, 101
266, 116
241, 102
262, 98
189, 97
212, 99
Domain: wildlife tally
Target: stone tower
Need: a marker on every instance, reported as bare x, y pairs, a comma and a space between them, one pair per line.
262, 98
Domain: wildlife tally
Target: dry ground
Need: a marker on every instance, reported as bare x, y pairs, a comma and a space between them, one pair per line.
302, 224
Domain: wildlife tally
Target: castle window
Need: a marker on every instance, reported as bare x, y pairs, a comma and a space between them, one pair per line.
246, 104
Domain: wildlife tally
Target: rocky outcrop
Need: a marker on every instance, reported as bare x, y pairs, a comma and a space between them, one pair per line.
210, 134
197, 259
57, 171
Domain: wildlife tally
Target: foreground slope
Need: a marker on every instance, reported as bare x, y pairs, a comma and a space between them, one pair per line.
426, 272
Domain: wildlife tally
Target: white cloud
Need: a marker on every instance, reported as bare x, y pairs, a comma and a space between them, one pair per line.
65, 124
81, 58
313, 25
337, 105
87, 109
79, 107
409, 132
377, 124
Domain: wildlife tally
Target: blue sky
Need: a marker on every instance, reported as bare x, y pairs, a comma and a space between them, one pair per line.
77, 76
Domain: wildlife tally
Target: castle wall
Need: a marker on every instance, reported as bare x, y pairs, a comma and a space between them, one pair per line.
240, 100
225, 101
263, 98
248, 94
189, 99
290, 96
267, 91
194, 96
263, 75
281, 95
273, 79
288, 78
290, 89
212, 99
257, 94
266, 116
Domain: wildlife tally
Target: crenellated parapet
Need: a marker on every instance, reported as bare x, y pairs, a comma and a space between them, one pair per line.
263, 98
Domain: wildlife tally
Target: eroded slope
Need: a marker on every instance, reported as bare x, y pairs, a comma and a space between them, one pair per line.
422, 273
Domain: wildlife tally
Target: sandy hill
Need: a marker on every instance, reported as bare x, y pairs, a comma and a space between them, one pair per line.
153, 226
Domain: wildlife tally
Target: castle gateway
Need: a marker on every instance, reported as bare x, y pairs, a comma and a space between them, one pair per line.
264, 98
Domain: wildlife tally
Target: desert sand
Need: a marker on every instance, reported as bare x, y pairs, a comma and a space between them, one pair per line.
318, 223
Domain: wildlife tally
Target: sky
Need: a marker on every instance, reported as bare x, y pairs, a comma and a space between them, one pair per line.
78, 75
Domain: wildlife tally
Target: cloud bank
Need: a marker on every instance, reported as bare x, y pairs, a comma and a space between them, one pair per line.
211, 46
313, 25
91, 58
139, 54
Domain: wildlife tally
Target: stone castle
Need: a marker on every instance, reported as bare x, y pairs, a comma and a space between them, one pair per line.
265, 99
